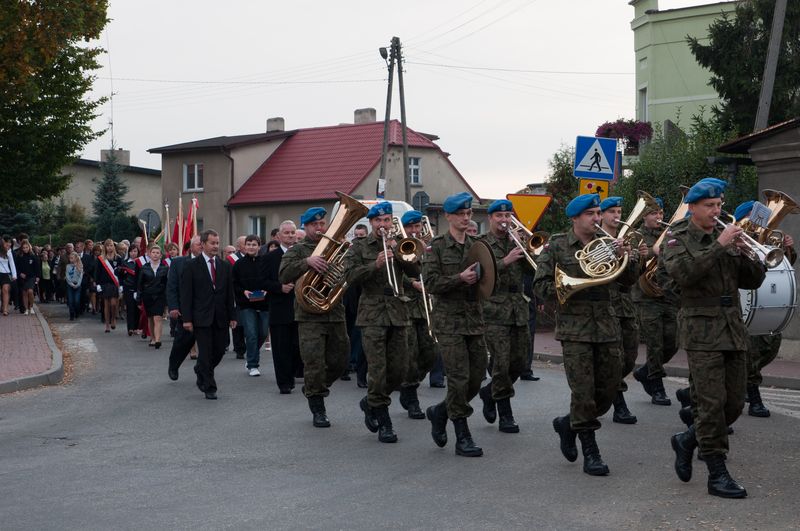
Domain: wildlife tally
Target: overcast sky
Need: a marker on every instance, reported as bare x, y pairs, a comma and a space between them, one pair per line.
187, 70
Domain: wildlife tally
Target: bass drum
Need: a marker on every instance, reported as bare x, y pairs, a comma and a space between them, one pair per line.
768, 309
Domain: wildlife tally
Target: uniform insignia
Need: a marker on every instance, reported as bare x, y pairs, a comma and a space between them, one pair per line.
317, 217
466, 204
672, 243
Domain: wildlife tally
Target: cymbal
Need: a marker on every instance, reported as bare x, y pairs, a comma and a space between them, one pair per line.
481, 253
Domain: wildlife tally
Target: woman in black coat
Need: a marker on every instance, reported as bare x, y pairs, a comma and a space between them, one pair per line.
28, 273
152, 291
129, 279
108, 283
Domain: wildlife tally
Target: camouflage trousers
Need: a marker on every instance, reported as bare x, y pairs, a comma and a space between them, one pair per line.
386, 349
421, 353
508, 347
718, 381
629, 345
465, 360
659, 325
593, 371
761, 352
324, 348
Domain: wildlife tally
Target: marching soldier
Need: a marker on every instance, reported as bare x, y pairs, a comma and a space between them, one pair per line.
611, 214
458, 321
658, 317
421, 346
382, 316
506, 316
324, 345
707, 263
589, 333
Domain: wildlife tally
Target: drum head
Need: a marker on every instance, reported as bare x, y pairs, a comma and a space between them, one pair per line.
481, 252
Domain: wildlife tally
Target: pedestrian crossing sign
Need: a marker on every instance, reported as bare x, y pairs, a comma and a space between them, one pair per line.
595, 158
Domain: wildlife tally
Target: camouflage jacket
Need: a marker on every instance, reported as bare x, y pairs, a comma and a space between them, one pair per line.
508, 305
377, 306
456, 309
293, 266
709, 276
589, 315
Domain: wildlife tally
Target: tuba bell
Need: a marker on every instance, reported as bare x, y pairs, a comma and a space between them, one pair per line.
319, 292
647, 280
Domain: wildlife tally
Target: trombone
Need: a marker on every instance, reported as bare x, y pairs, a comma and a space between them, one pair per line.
772, 257
390, 272
427, 301
530, 243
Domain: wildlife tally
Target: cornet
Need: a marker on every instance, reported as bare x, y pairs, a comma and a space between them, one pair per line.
771, 257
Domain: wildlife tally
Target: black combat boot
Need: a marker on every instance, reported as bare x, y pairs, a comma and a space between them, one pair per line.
507, 423
386, 433
659, 396
564, 430
686, 416
489, 405
369, 416
621, 412
410, 402
464, 444
684, 444
684, 397
640, 375
757, 407
438, 416
317, 406
720, 482
592, 462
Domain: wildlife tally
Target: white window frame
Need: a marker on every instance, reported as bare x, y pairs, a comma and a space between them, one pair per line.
195, 166
415, 177
258, 226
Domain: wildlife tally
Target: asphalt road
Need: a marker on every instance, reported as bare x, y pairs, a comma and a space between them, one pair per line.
123, 447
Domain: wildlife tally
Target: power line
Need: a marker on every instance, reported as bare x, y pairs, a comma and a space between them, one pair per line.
520, 70
215, 82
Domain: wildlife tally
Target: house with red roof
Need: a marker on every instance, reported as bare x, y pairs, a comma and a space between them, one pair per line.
250, 183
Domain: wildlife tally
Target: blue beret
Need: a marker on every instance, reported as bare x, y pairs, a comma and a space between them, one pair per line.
660, 202
313, 214
708, 188
581, 203
743, 210
412, 216
610, 202
380, 209
457, 202
501, 205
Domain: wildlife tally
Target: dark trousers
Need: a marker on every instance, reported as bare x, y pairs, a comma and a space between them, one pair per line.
211, 344
181, 345
285, 353
131, 310
239, 346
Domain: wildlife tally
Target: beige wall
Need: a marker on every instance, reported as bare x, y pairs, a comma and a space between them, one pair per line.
274, 214
249, 158
143, 189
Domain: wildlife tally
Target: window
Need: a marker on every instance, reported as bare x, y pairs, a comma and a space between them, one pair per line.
414, 171
642, 110
199, 225
258, 226
193, 177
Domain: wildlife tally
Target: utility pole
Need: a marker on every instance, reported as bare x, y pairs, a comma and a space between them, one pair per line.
395, 56
771, 65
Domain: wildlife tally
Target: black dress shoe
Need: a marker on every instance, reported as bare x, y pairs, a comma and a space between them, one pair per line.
286, 390
529, 378
438, 385
173, 374
361, 383
211, 395
345, 377
240, 355
157, 345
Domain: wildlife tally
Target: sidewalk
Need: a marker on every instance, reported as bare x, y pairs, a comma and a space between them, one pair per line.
779, 373
28, 355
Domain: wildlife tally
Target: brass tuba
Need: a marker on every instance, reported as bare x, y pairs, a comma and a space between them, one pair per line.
319, 292
647, 281
781, 206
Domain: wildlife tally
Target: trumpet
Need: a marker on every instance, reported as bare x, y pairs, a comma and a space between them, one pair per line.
771, 257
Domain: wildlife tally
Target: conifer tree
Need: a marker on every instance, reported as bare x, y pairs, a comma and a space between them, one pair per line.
109, 206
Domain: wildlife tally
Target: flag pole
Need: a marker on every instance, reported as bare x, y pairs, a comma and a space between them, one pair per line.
180, 224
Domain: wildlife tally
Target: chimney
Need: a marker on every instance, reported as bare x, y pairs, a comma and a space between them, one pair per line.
123, 156
274, 124
364, 116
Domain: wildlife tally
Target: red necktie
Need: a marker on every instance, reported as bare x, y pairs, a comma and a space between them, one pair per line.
213, 272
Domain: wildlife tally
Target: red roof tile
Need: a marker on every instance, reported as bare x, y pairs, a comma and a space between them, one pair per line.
315, 162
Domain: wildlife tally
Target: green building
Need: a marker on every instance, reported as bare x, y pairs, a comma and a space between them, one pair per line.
669, 82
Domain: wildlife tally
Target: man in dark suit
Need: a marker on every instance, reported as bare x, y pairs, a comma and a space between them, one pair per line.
282, 326
239, 346
88, 260
207, 308
184, 339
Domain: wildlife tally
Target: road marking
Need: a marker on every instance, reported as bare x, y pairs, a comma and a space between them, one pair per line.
82, 345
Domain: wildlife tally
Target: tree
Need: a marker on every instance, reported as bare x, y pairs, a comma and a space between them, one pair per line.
563, 186
109, 205
735, 55
44, 113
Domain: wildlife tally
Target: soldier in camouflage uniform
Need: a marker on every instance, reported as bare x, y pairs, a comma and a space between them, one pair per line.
421, 344
506, 314
589, 331
458, 322
658, 317
324, 345
611, 214
382, 316
708, 265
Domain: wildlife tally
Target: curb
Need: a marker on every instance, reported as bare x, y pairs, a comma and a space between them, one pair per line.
50, 377
683, 372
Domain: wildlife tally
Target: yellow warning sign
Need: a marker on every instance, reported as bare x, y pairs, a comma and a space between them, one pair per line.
595, 186
529, 208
